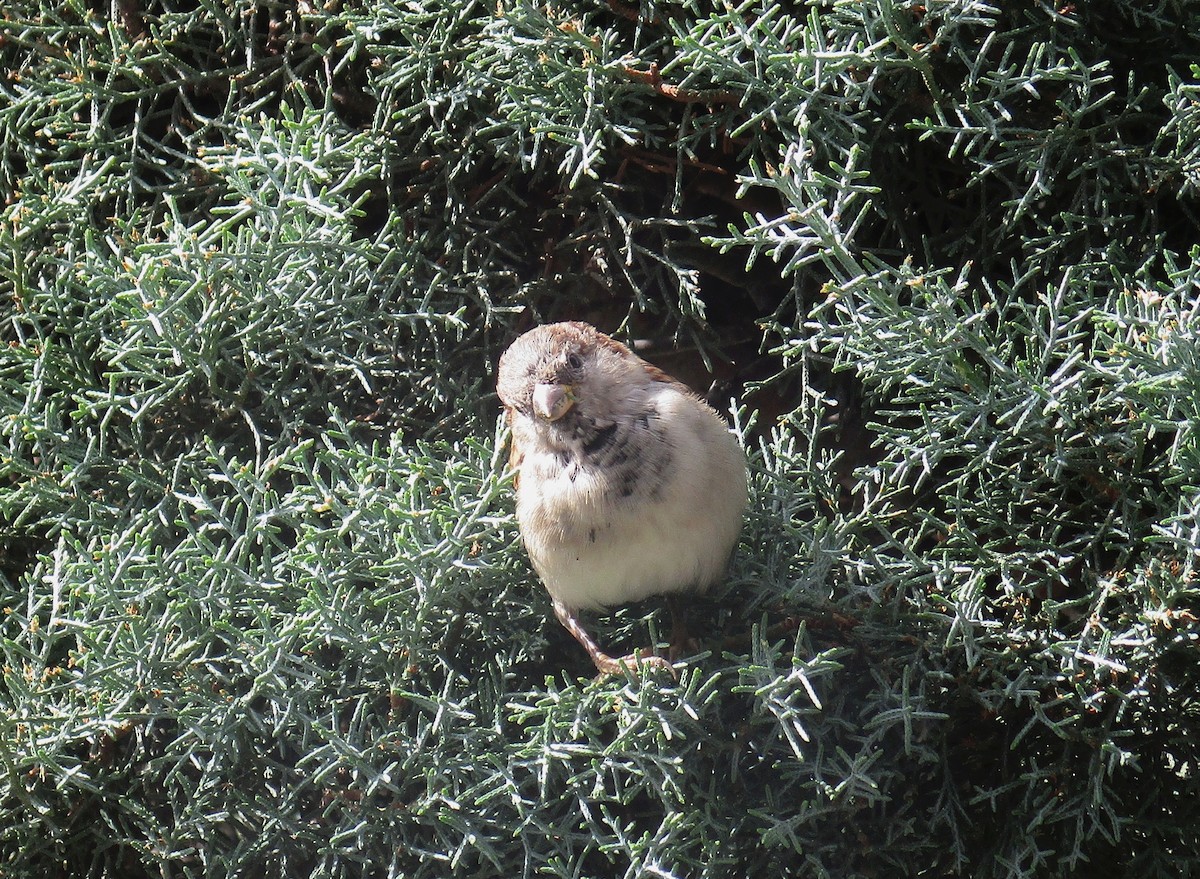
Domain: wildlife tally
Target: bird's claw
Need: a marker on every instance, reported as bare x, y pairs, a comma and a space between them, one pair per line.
636, 663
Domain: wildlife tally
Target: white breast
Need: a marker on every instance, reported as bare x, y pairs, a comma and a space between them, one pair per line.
594, 548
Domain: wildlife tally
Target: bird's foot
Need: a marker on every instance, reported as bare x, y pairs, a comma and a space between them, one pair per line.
608, 665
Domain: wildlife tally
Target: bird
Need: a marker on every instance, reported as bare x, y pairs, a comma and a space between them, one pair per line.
628, 485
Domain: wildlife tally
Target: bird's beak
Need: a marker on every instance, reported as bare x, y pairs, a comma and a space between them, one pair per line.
552, 401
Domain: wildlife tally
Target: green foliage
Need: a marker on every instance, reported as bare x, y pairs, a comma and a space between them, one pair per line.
264, 607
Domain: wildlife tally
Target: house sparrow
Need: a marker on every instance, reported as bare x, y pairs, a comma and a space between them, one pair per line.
628, 484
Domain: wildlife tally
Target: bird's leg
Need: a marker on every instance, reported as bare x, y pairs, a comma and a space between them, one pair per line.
604, 663
681, 641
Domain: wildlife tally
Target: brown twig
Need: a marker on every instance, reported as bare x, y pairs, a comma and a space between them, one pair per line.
660, 164
628, 12
654, 79
131, 19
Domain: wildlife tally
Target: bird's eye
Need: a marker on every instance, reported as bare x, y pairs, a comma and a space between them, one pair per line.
574, 361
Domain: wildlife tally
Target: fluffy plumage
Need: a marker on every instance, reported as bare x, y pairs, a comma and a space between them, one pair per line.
628, 485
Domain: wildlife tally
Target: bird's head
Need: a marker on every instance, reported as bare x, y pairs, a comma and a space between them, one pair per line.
558, 370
